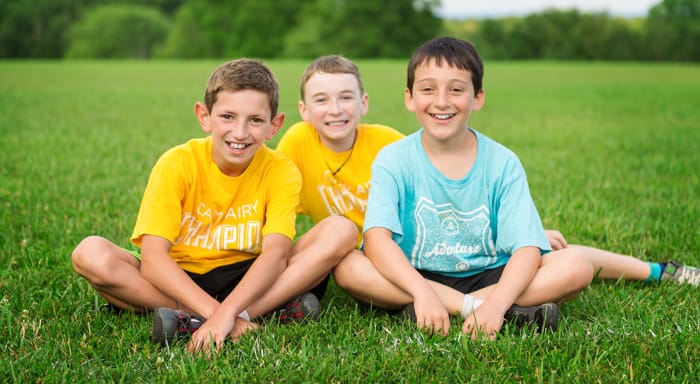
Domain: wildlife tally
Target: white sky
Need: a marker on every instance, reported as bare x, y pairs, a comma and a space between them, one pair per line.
500, 8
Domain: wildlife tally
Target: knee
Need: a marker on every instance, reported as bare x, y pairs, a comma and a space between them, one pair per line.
341, 229
580, 272
91, 258
351, 271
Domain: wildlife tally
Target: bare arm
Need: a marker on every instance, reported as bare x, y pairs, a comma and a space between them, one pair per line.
163, 272
391, 262
261, 275
517, 275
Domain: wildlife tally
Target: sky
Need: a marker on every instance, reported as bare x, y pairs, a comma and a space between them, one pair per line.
499, 8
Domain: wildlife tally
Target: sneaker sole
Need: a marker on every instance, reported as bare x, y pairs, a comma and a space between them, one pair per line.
544, 317
311, 307
164, 324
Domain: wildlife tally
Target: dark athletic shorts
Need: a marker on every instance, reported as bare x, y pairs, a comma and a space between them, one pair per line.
469, 283
219, 282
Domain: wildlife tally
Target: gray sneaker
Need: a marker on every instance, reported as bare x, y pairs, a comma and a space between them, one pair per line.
408, 313
171, 324
303, 308
538, 317
681, 273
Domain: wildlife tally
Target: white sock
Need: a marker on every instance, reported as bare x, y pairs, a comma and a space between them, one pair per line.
244, 315
470, 304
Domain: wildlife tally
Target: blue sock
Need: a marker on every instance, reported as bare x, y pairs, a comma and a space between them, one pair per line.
656, 270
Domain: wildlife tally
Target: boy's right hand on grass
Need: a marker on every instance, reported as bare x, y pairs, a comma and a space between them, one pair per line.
431, 314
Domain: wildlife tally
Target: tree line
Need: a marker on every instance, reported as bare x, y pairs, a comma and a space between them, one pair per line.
355, 28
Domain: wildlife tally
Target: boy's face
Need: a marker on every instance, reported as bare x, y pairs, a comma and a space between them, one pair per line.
239, 124
333, 104
443, 99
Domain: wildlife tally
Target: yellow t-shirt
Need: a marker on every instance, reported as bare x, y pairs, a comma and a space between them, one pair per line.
345, 193
213, 219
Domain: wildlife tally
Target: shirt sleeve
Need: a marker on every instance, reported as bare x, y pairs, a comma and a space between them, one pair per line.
160, 212
383, 203
285, 187
519, 224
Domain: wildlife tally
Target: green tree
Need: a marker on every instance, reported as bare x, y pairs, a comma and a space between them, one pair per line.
118, 31
38, 28
391, 28
35, 28
215, 28
673, 30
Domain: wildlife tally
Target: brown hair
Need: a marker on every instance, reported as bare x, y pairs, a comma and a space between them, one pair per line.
455, 52
331, 64
241, 74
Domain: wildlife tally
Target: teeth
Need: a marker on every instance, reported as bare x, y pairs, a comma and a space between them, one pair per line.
236, 146
443, 116
336, 123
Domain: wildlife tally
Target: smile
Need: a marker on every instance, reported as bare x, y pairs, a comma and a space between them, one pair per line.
237, 146
443, 116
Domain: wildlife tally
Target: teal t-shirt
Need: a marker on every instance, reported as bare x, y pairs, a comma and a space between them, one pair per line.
454, 227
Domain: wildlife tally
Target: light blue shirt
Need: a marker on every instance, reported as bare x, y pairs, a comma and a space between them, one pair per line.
453, 227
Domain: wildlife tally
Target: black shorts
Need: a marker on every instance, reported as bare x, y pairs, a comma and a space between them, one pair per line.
467, 284
220, 282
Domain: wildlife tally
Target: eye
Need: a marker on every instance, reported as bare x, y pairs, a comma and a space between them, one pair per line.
257, 120
319, 100
457, 90
227, 116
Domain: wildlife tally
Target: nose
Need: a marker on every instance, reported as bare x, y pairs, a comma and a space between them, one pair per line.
239, 130
334, 106
441, 99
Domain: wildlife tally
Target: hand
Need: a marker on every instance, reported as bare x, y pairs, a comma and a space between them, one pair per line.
240, 327
431, 315
212, 333
484, 321
556, 240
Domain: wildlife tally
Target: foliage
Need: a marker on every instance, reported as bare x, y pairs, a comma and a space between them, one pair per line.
117, 31
611, 150
555, 34
363, 28
37, 28
391, 28
212, 28
673, 31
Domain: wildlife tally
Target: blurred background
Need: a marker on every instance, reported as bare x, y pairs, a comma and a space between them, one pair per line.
667, 30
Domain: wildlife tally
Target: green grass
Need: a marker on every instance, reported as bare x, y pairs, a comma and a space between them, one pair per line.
612, 154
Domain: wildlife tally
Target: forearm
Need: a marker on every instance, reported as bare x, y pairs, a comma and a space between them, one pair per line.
517, 275
391, 262
261, 276
163, 272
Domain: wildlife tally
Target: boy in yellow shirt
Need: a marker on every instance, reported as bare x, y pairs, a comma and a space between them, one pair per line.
216, 225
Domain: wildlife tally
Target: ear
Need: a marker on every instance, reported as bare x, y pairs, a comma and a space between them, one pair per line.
303, 110
275, 126
364, 102
479, 100
408, 100
202, 114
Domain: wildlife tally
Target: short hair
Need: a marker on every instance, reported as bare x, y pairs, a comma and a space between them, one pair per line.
331, 64
242, 74
456, 53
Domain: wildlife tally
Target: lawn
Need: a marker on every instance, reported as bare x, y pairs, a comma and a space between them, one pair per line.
612, 152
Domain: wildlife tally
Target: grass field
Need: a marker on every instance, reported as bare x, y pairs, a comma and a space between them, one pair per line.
612, 153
